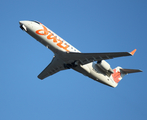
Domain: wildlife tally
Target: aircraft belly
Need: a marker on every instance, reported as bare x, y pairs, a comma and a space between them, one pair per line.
82, 69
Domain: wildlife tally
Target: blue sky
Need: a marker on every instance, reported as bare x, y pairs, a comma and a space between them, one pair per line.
90, 26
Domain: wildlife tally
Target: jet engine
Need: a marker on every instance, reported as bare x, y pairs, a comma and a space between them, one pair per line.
103, 65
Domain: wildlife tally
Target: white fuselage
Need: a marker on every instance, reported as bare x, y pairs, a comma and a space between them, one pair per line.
59, 46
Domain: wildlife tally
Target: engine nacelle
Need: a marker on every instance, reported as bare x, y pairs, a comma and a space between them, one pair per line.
103, 65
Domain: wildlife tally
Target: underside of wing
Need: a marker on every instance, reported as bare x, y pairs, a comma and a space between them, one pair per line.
85, 58
68, 60
55, 66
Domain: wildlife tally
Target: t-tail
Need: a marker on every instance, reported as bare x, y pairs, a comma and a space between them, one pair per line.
119, 73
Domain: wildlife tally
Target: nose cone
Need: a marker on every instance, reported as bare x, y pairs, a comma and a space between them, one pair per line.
21, 22
24, 22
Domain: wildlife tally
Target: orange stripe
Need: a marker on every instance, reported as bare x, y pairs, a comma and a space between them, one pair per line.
51, 36
45, 30
38, 32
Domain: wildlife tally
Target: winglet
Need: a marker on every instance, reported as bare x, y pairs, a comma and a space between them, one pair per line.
132, 53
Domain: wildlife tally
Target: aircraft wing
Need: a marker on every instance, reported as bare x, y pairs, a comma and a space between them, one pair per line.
85, 58
55, 66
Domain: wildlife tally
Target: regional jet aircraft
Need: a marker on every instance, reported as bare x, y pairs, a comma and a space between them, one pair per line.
66, 56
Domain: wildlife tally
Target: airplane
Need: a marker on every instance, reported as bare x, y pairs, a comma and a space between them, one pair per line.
92, 65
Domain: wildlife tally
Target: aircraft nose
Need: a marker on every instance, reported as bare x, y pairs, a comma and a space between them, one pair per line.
24, 22
20, 22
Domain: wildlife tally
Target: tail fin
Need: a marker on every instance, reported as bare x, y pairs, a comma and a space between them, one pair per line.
119, 73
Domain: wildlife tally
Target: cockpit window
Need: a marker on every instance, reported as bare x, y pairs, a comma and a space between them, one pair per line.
37, 22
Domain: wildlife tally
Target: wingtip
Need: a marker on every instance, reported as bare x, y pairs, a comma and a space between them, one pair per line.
133, 52
40, 77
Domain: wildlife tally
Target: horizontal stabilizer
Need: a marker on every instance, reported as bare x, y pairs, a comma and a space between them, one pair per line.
127, 71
